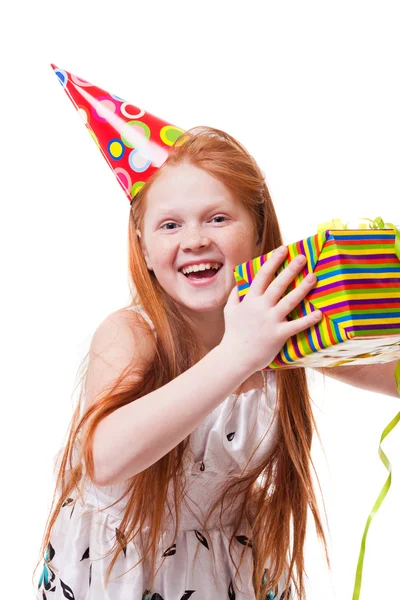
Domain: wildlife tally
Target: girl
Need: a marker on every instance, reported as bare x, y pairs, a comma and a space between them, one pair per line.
186, 473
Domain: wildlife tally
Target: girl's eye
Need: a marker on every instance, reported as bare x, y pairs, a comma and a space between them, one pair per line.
163, 226
171, 223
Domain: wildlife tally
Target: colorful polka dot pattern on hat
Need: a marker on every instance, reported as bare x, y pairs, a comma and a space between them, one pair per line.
134, 142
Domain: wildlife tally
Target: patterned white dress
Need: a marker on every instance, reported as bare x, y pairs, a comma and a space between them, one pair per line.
82, 535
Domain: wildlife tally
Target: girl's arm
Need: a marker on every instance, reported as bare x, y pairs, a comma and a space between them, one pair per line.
138, 434
378, 377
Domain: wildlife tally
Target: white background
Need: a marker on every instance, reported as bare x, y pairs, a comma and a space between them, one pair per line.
311, 89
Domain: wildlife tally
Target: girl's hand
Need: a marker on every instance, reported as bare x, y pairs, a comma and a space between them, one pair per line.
256, 328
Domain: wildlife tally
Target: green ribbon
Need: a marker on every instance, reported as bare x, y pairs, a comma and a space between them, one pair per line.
381, 497
377, 223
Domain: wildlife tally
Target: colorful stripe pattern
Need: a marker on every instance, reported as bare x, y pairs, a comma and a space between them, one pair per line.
358, 292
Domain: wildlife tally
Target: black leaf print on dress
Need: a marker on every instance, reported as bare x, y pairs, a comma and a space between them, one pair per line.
202, 466
85, 554
67, 501
90, 575
201, 538
242, 539
289, 594
170, 551
121, 539
231, 592
187, 594
50, 553
157, 597
230, 436
68, 593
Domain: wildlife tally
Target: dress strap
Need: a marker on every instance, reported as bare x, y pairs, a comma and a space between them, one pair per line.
139, 308
264, 374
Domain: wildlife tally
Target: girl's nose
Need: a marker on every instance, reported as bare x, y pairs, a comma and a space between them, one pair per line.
194, 238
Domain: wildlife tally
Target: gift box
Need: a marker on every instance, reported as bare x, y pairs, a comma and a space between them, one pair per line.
357, 290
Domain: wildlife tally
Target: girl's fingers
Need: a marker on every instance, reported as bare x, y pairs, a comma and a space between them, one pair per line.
279, 285
293, 298
264, 281
297, 325
233, 298
266, 274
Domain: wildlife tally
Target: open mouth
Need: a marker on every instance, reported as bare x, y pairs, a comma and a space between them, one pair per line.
205, 274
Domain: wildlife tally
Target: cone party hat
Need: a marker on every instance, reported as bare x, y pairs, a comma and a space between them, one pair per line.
134, 143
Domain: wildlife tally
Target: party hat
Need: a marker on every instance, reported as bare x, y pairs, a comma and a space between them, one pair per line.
134, 143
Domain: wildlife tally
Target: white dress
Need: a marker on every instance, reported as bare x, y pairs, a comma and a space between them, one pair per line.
82, 535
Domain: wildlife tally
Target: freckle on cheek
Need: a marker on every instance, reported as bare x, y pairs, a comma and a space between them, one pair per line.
241, 239
241, 236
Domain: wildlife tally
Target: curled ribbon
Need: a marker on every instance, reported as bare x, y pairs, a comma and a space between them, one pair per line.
382, 494
377, 223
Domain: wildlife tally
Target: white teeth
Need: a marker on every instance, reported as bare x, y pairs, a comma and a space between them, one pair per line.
200, 267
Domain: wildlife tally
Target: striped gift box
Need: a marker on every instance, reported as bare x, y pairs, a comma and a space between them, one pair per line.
358, 292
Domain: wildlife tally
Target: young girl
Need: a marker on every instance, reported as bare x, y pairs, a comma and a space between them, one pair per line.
186, 473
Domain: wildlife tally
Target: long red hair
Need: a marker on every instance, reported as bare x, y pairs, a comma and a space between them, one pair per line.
274, 494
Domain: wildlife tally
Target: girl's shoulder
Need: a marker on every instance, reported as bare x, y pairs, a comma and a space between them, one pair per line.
132, 326
123, 339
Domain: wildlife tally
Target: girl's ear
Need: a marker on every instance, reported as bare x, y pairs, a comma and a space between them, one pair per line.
143, 247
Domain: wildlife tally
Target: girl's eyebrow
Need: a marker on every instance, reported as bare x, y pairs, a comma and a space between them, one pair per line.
164, 211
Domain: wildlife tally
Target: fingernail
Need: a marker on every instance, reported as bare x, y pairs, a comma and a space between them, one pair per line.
280, 250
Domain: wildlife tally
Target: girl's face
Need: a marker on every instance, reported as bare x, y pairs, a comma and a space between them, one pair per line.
191, 217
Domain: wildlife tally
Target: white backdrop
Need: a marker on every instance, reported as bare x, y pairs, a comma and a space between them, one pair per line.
311, 89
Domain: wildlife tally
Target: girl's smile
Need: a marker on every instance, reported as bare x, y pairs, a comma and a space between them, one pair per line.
202, 277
